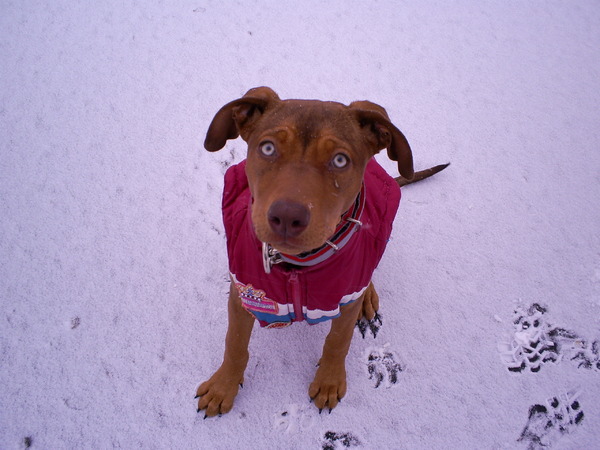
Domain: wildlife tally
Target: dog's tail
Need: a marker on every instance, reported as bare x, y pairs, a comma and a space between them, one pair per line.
421, 175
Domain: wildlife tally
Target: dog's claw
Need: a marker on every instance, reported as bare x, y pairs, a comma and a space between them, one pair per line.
362, 327
375, 325
242, 385
320, 410
330, 409
372, 325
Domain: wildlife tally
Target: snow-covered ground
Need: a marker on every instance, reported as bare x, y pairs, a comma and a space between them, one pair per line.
113, 273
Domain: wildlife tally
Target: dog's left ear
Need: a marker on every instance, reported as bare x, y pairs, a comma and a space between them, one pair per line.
238, 117
381, 133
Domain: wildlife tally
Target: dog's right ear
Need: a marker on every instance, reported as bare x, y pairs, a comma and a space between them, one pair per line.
238, 117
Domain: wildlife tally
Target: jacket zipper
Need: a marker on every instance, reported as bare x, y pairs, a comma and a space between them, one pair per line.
296, 296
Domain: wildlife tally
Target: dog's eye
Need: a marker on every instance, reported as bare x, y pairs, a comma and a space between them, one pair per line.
267, 148
340, 161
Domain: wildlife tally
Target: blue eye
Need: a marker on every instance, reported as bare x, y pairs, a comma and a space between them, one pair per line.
267, 148
340, 161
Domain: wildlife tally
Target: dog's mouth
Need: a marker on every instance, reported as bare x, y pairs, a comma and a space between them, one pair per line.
283, 251
310, 239
292, 227
295, 229
293, 246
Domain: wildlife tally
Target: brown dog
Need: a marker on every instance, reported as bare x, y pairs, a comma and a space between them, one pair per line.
307, 217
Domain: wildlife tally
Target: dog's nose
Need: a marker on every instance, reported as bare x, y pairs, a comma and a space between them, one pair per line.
287, 218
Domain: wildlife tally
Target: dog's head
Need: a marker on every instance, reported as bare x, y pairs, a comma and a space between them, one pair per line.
306, 160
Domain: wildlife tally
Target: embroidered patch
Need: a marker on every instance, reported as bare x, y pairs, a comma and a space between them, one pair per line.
278, 325
255, 299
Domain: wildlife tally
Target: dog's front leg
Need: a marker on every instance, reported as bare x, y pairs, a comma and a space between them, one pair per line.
329, 385
217, 394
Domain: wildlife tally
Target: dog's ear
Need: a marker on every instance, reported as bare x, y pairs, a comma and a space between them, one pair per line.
381, 133
237, 117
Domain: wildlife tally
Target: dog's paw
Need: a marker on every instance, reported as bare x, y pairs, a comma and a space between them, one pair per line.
216, 395
548, 423
332, 441
373, 326
384, 367
329, 385
370, 303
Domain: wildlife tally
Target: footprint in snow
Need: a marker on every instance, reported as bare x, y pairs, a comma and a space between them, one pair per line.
531, 345
547, 423
535, 342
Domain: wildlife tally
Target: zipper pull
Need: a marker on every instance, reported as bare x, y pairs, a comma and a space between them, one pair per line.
296, 294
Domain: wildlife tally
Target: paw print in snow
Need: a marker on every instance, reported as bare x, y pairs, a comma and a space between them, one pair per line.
548, 423
383, 367
294, 418
588, 356
333, 441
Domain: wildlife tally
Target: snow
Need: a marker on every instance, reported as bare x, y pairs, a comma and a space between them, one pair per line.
113, 273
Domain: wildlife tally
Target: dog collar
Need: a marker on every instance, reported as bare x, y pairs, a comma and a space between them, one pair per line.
349, 225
